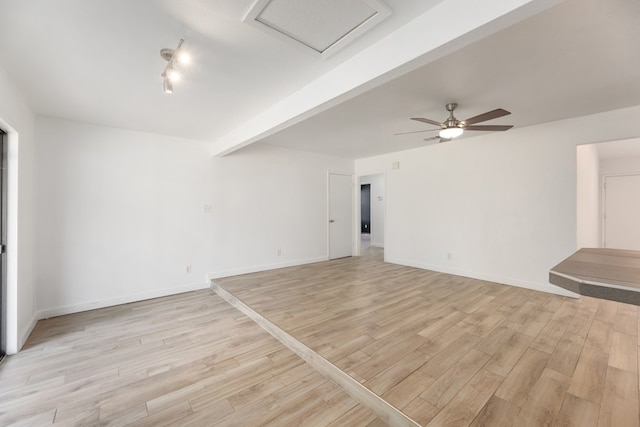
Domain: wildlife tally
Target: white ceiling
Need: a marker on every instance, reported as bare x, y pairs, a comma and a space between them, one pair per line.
320, 26
578, 58
98, 62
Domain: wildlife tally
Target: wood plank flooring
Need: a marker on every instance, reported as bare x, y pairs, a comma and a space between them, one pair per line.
444, 350
184, 360
448, 350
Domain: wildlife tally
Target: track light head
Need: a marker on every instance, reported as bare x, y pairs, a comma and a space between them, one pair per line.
167, 86
172, 74
184, 58
167, 54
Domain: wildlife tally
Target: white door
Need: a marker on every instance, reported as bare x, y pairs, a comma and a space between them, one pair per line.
340, 215
622, 212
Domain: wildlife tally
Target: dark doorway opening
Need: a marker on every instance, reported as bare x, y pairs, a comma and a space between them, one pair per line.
365, 208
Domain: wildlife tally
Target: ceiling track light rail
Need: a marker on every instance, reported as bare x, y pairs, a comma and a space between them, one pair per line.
170, 73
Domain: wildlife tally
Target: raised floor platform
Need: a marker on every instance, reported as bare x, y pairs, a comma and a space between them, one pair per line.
418, 347
612, 274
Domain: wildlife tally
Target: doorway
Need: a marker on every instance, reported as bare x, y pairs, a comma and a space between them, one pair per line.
365, 208
372, 211
607, 188
340, 215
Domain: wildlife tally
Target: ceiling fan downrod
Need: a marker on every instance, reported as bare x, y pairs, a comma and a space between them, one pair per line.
451, 121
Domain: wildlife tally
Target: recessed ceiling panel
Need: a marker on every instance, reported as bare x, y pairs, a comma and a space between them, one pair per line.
320, 26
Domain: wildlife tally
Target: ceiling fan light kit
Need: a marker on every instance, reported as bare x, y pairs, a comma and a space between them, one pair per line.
453, 128
174, 57
452, 132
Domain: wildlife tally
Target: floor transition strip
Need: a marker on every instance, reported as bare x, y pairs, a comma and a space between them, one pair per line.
383, 409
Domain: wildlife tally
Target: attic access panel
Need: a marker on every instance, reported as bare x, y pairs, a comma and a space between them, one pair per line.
321, 27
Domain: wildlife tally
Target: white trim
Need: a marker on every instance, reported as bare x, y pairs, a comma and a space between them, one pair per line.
381, 13
14, 339
603, 213
110, 302
263, 267
24, 335
488, 278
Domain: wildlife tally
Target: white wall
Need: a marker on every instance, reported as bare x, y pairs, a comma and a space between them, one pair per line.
120, 216
587, 196
377, 207
18, 121
121, 213
268, 198
503, 205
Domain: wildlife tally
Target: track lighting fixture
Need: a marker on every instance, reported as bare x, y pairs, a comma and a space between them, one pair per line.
167, 86
173, 58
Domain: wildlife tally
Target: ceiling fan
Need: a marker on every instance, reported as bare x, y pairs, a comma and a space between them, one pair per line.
452, 127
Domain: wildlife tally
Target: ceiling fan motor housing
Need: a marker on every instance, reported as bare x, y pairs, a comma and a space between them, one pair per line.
451, 121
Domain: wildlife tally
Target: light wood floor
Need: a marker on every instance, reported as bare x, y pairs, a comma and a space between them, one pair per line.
453, 351
184, 360
443, 349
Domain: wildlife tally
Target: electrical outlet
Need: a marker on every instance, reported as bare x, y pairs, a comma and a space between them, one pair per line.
208, 209
279, 251
449, 256
188, 269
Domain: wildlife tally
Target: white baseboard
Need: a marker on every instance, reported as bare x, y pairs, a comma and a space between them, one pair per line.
488, 278
377, 245
264, 267
24, 334
141, 296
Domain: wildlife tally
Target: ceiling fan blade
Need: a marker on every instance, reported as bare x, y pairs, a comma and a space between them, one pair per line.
416, 131
437, 137
489, 127
431, 122
487, 116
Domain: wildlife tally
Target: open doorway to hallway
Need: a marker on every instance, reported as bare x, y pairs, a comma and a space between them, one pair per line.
365, 215
372, 211
607, 188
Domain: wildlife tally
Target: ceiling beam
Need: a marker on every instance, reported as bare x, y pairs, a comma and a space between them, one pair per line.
447, 27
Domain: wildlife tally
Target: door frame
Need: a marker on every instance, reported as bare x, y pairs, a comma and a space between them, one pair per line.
4, 161
16, 334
